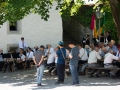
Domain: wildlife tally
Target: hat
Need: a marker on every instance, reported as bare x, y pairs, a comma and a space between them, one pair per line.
61, 43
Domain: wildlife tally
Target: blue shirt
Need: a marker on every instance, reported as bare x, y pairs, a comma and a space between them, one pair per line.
61, 59
114, 48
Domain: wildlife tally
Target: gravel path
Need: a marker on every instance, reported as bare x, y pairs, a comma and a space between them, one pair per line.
26, 80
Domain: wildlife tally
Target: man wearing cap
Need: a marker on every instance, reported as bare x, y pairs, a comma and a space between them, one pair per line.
61, 54
23, 44
74, 55
39, 62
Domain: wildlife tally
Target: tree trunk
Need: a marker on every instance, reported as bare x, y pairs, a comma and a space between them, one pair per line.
115, 8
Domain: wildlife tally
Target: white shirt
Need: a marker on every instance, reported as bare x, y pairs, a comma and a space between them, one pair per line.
23, 45
51, 50
51, 58
56, 59
30, 55
100, 51
22, 57
83, 54
109, 58
93, 56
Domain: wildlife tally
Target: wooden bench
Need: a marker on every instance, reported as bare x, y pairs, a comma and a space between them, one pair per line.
99, 68
66, 67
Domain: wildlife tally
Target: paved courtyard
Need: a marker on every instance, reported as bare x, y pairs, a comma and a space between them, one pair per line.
26, 80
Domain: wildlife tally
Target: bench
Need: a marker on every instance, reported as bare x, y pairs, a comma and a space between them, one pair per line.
66, 67
99, 68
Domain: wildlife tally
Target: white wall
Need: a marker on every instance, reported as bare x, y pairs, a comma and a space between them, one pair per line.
35, 31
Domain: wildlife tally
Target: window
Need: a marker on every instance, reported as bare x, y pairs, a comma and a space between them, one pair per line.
12, 47
13, 26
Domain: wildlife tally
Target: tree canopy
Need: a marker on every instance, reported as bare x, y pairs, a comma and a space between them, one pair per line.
13, 10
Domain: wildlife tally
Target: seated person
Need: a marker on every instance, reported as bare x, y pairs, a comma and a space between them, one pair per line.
21, 61
112, 47
92, 61
51, 61
104, 51
1, 60
88, 49
101, 45
49, 50
83, 59
9, 62
29, 57
109, 57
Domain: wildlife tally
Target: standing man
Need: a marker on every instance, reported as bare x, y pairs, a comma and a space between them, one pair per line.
38, 60
23, 44
61, 54
74, 63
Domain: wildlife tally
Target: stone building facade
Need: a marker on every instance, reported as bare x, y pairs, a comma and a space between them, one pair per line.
35, 31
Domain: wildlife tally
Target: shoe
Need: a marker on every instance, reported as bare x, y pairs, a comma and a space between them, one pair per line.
58, 82
39, 85
97, 76
90, 76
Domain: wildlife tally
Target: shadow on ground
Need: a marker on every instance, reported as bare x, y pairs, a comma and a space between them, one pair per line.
18, 79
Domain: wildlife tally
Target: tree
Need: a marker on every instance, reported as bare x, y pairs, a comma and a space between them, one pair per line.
13, 10
115, 8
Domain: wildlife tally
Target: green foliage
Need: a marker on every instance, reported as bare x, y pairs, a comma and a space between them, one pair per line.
110, 26
84, 15
13, 10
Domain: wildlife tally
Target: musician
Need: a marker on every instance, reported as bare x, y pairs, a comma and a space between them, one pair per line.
21, 61
9, 62
23, 44
29, 57
1, 60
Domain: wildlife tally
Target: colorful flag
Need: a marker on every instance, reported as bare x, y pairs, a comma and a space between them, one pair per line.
93, 26
102, 24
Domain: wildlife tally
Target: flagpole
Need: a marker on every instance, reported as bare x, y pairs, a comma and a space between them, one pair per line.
99, 31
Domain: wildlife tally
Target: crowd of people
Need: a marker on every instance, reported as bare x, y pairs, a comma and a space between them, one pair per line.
79, 57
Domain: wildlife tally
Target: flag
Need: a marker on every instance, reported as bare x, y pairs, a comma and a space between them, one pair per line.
93, 26
102, 24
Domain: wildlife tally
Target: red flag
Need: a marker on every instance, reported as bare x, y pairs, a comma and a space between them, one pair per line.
92, 22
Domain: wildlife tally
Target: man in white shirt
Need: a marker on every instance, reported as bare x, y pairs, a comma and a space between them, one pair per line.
49, 50
83, 59
92, 61
23, 44
29, 57
109, 57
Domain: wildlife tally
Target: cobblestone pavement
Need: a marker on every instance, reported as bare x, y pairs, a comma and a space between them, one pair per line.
26, 80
